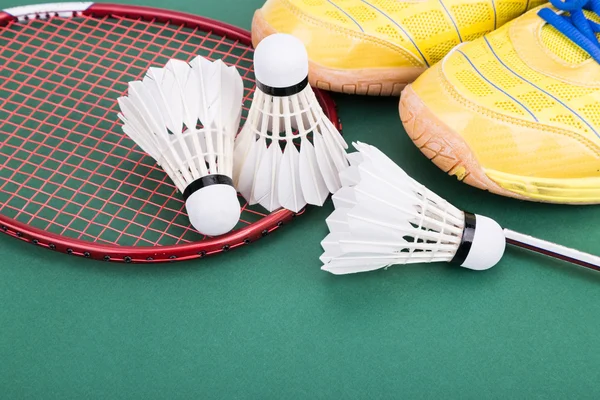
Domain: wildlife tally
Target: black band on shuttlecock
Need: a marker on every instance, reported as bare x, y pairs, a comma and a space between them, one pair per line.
467, 239
204, 182
281, 92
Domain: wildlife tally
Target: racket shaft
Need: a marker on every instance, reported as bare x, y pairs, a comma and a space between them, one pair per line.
552, 250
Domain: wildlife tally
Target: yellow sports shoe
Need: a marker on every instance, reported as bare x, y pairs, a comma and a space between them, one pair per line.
517, 112
376, 47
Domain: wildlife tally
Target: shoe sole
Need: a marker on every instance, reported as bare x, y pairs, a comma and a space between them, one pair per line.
371, 82
449, 151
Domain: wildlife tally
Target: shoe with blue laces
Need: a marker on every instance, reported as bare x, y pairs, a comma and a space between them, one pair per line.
517, 112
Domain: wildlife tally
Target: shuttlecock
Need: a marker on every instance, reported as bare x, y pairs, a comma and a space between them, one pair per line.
269, 169
161, 114
383, 217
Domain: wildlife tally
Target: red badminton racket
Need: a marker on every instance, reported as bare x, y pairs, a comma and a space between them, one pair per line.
70, 180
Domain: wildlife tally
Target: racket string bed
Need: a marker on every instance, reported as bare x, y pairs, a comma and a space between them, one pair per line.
61, 186
102, 117
69, 178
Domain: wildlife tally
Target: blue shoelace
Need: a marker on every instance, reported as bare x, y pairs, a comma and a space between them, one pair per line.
576, 26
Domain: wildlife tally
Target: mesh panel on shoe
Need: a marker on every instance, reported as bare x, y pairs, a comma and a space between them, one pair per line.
389, 31
561, 46
568, 92
437, 52
509, 106
592, 113
477, 50
536, 101
473, 36
424, 25
314, 2
568, 120
474, 83
536, 3
552, 101
362, 13
508, 10
390, 6
520, 87
336, 15
470, 14
516, 64
424, 21
499, 75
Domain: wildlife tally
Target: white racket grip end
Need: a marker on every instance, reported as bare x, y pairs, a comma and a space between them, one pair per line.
43, 11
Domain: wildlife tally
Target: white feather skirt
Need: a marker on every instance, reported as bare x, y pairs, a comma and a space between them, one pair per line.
288, 153
384, 217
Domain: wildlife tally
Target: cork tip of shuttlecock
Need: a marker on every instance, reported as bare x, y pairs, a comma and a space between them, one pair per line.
214, 210
487, 246
280, 61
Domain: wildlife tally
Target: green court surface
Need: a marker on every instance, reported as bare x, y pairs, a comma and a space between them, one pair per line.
264, 322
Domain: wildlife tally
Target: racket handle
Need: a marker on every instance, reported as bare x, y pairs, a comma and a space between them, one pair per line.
552, 250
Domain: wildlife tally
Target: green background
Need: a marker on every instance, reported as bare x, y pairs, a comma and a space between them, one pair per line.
265, 322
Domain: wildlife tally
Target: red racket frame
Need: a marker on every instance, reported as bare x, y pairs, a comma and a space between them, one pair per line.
131, 254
